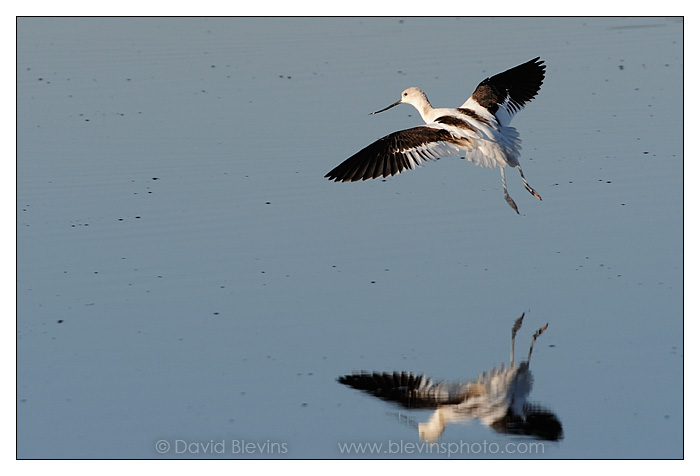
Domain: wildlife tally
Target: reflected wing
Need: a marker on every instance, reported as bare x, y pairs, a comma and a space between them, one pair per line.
537, 422
410, 391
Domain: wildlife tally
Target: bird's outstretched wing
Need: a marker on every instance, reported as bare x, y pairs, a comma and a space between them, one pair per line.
504, 94
396, 152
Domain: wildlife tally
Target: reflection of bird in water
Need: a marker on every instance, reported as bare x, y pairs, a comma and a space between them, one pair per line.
497, 397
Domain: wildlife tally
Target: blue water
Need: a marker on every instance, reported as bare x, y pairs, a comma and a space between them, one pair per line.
187, 277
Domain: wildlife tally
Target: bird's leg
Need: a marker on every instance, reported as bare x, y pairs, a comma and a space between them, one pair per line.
527, 185
534, 337
516, 326
505, 192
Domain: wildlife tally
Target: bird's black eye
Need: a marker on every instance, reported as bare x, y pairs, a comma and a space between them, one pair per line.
405, 94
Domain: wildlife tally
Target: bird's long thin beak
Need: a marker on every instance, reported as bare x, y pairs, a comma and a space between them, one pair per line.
388, 107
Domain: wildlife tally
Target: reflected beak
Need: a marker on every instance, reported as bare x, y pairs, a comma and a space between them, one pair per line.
388, 107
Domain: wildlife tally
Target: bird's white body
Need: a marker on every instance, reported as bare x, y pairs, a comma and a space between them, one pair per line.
486, 141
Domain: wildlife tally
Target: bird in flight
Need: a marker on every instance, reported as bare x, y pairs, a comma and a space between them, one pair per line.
479, 131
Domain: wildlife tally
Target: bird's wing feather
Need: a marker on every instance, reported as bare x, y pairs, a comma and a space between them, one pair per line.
504, 94
396, 152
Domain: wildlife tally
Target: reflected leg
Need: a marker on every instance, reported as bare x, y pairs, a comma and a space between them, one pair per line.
516, 327
534, 338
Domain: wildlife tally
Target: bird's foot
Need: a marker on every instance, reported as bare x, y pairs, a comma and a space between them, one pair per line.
512, 203
533, 192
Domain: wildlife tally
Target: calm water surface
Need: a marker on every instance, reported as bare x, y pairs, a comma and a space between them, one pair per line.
190, 286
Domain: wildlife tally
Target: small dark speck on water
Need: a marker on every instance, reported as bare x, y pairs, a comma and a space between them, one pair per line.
267, 203
60, 321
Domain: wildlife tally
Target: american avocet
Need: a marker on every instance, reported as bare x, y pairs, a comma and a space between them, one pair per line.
498, 397
478, 131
